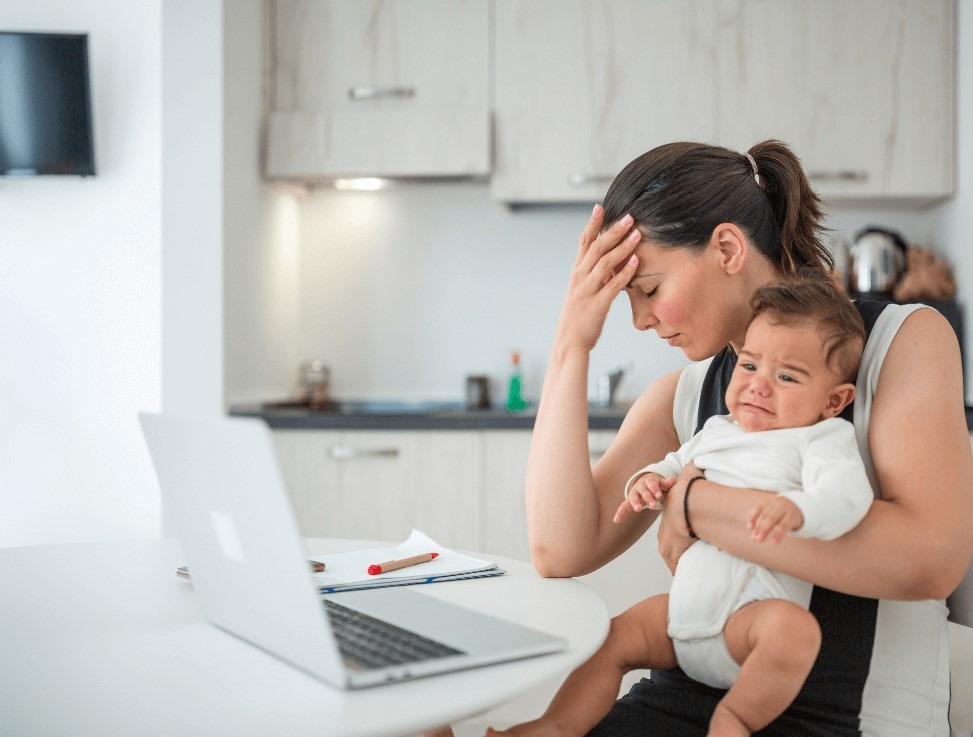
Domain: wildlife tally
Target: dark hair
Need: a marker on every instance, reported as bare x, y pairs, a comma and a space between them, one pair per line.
678, 193
815, 300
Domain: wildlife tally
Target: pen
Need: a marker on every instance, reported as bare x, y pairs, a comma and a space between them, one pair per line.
394, 565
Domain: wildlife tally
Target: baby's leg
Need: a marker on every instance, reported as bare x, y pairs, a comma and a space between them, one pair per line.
637, 639
776, 643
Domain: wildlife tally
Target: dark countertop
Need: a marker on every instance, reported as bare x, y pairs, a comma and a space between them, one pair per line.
411, 416
428, 416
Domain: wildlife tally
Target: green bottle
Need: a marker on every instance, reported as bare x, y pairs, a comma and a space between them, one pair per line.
515, 397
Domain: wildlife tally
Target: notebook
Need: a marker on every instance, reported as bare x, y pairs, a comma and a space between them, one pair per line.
224, 495
350, 570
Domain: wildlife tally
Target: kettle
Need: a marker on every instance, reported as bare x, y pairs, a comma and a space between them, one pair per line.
876, 260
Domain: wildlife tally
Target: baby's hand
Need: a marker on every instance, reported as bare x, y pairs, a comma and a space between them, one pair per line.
774, 519
646, 492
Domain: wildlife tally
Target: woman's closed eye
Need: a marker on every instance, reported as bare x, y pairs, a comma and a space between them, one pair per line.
643, 292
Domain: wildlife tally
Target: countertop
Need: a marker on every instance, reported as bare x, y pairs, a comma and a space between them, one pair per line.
423, 416
411, 416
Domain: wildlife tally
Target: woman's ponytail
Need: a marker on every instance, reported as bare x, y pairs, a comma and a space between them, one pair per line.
796, 207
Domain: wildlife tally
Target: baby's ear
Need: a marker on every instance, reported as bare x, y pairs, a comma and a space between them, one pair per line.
838, 398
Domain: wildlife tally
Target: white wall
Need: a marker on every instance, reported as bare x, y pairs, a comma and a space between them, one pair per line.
192, 206
229, 255
406, 291
79, 299
261, 255
954, 219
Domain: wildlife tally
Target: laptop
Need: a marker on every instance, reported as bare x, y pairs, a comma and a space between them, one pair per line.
224, 494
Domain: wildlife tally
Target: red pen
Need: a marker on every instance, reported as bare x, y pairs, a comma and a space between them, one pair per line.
394, 565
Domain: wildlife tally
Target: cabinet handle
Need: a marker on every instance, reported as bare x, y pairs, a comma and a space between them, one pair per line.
838, 176
578, 179
345, 453
368, 92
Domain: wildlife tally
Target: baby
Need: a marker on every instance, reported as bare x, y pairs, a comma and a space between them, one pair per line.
727, 622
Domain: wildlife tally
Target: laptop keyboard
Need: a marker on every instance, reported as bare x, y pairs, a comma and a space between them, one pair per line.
368, 643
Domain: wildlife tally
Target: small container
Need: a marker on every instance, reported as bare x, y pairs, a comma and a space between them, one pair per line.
314, 379
477, 392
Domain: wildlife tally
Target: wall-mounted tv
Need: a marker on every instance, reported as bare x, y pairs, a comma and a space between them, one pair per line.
45, 105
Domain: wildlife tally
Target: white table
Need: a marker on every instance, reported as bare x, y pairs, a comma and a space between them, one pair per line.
104, 639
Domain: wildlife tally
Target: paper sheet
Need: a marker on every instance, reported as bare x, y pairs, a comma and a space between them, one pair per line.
350, 569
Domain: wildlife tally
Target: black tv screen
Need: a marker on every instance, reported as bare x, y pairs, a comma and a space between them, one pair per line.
45, 105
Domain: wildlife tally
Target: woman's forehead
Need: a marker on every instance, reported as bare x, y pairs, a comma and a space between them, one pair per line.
655, 258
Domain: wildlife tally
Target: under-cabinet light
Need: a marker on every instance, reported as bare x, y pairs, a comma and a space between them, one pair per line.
361, 184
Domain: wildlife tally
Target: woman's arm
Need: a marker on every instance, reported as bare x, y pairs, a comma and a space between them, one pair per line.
569, 505
916, 541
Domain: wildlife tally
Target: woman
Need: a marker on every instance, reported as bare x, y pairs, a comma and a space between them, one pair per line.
690, 231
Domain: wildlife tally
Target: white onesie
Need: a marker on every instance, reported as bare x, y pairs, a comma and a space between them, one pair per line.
818, 467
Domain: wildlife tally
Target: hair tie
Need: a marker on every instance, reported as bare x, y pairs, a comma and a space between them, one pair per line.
753, 165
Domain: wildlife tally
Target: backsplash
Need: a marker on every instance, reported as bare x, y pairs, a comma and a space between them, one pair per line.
406, 291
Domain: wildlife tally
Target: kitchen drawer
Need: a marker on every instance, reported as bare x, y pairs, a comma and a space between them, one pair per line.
379, 485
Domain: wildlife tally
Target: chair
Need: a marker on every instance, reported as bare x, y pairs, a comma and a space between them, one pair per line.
960, 604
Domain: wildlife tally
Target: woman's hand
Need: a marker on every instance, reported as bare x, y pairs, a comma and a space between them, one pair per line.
604, 265
674, 537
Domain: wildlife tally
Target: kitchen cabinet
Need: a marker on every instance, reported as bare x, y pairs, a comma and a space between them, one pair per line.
861, 89
504, 523
379, 485
503, 505
583, 87
378, 88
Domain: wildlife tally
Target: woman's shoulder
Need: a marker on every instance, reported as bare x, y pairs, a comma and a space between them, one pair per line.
911, 367
885, 323
877, 312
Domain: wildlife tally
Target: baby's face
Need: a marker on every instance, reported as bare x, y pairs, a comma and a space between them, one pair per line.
781, 378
